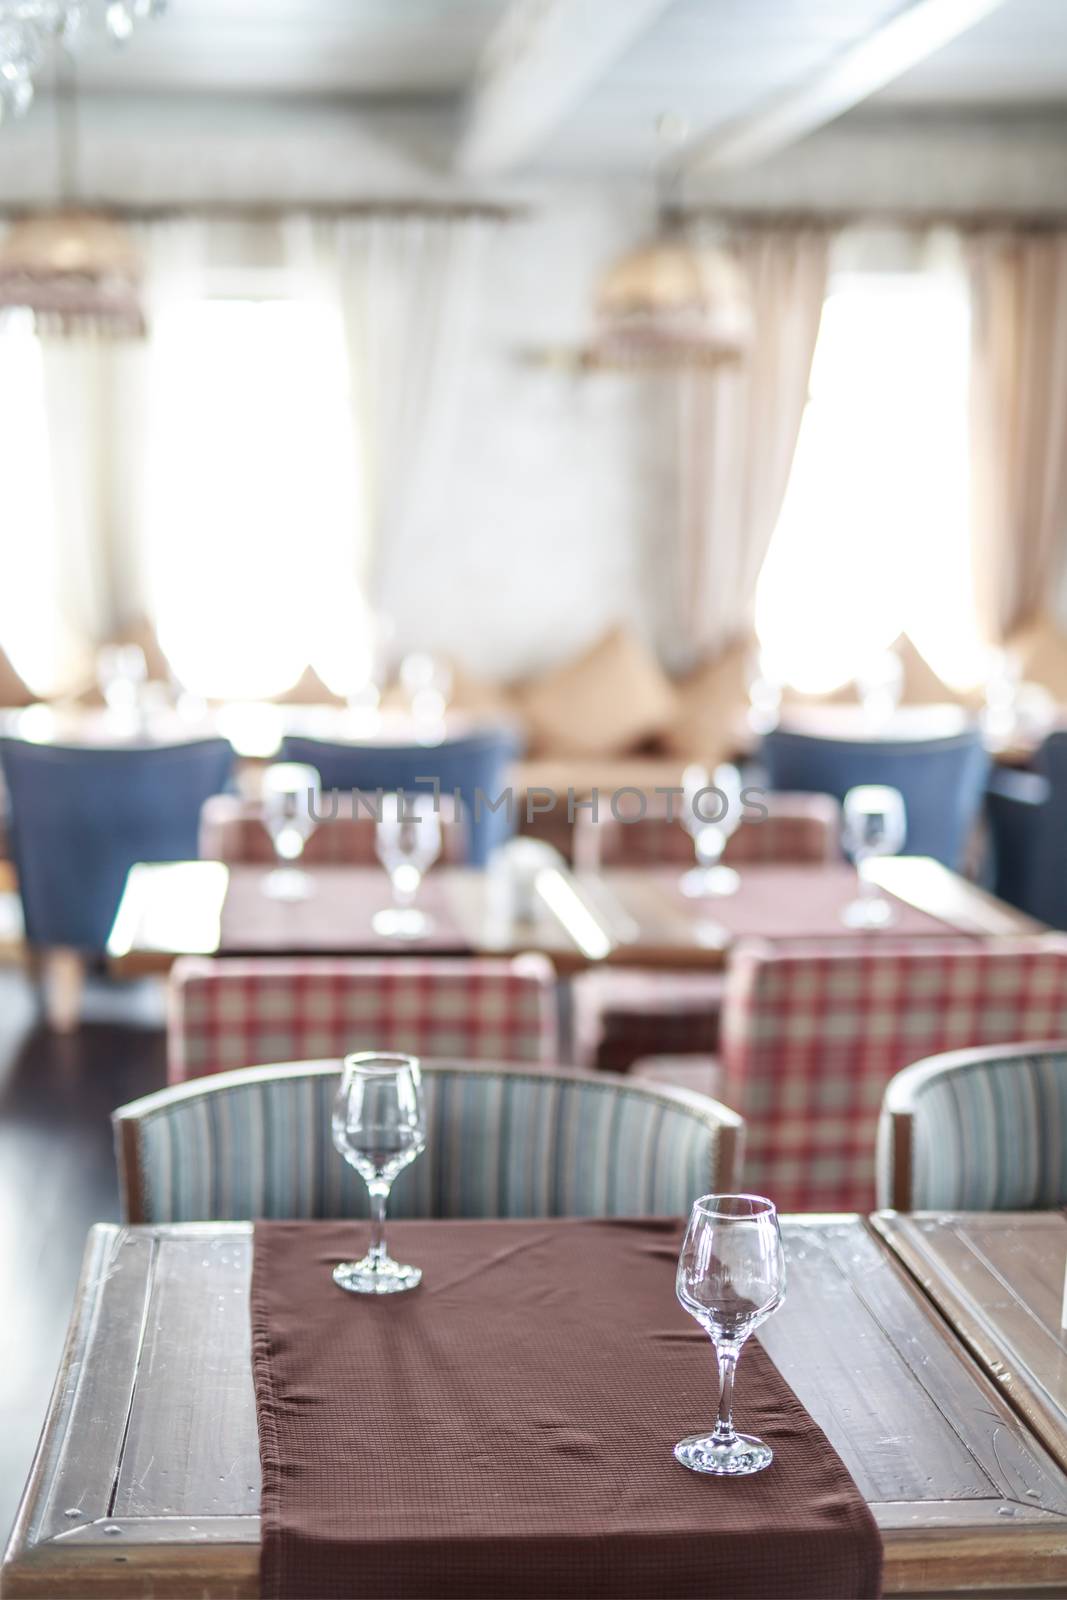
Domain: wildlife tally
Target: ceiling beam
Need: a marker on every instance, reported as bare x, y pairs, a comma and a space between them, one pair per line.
850, 77
542, 60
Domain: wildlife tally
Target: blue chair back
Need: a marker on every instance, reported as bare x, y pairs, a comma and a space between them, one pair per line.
81, 817
475, 769
1028, 825
942, 780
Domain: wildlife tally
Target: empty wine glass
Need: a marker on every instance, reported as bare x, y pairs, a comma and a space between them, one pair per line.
722, 794
379, 1126
408, 841
731, 1277
874, 825
290, 796
121, 672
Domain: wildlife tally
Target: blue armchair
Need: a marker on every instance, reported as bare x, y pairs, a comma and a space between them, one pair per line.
1027, 814
80, 818
471, 767
942, 779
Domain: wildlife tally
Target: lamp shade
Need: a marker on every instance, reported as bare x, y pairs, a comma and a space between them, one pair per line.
670, 302
76, 271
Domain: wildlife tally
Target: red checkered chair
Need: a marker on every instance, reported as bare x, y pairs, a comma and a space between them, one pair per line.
240, 1013
622, 1015
231, 830
812, 1034
797, 828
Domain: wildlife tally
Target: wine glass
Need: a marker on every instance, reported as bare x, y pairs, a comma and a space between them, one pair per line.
880, 682
874, 825
121, 672
731, 1277
408, 841
710, 834
379, 1126
290, 796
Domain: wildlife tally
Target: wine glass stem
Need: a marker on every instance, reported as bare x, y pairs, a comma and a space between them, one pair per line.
379, 1196
724, 1427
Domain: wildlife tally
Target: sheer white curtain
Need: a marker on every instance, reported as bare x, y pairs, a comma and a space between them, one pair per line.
408, 288
738, 431
1019, 424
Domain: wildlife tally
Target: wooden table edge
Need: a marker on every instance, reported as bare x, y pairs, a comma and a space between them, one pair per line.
899, 1232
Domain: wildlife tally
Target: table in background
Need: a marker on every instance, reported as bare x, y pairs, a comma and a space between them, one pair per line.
636, 917
147, 1477
998, 1277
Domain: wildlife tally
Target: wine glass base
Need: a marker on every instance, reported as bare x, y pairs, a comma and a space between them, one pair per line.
699, 882
401, 922
868, 914
287, 883
376, 1277
742, 1454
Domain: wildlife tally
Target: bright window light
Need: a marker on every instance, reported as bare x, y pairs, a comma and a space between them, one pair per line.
34, 628
873, 539
254, 518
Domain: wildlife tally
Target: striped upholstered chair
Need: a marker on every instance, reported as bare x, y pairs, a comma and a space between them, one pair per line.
798, 828
502, 1142
977, 1130
231, 830
812, 1033
239, 1013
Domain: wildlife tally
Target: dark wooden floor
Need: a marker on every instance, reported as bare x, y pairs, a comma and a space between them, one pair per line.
57, 1176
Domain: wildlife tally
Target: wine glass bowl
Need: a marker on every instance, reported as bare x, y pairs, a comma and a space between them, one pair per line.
290, 795
407, 840
379, 1127
874, 825
730, 1278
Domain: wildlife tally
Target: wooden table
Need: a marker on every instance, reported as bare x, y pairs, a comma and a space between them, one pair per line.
998, 1278
147, 1476
635, 916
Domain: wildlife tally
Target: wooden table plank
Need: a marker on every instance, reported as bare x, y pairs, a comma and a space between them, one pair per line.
998, 1278
967, 1501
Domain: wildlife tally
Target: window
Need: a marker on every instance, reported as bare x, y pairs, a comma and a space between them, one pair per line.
873, 539
253, 515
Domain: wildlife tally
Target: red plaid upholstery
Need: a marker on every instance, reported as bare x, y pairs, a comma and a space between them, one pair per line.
621, 1013
811, 1035
798, 828
244, 1013
232, 830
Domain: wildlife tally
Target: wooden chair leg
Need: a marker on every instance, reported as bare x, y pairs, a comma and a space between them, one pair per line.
63, 983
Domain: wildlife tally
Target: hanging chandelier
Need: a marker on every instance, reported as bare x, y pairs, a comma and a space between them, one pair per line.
31, 29
73, 269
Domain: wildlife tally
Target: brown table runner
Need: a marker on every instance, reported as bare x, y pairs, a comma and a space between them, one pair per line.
507, 1428
334, 919
783, 902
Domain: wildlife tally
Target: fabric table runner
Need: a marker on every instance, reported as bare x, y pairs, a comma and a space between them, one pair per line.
336, 916
507, 1427
782, 902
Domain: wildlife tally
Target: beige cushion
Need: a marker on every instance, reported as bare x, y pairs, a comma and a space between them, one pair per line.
710, 725
1041, 649
606, 702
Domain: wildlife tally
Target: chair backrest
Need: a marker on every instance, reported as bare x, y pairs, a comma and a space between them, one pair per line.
977, 1130
501, 1142
81, 817
474, 770
796, 828
240, 1013
942, 780
812, 1034
232, 830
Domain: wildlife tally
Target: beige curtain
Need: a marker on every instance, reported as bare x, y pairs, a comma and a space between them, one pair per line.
1018, 425
738, 433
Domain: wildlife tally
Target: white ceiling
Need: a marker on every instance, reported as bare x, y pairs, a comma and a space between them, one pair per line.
709, 62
